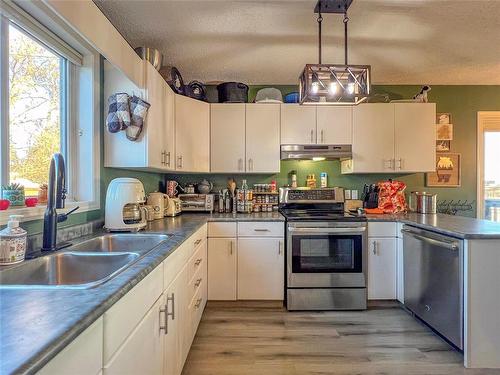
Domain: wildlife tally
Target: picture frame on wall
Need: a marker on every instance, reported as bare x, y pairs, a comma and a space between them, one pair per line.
448, 171
444, 127
443, 146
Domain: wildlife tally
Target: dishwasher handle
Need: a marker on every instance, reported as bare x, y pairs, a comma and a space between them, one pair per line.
448, 245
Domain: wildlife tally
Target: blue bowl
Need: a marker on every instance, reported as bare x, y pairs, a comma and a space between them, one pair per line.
292, 97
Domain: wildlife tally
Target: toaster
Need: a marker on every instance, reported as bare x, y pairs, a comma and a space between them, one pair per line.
197, 202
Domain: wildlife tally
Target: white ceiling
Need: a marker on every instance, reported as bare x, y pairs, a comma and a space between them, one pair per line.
268, 42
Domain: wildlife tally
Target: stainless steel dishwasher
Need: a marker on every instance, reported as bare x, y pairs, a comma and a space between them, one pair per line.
433, 281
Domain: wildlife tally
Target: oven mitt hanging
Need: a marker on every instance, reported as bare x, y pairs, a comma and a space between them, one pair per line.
138, 111
118, 113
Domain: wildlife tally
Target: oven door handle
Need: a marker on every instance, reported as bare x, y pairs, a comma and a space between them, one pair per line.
327, 230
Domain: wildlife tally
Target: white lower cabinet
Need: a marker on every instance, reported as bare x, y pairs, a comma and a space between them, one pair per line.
260, 269
381, 268
222, 265
83, 356
142, 352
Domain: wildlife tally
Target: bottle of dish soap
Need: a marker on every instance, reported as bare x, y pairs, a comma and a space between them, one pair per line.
13, 242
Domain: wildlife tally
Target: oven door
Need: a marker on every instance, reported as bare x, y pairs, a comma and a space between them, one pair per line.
326, 256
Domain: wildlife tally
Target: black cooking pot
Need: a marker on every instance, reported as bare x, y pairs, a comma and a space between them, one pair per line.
232, 92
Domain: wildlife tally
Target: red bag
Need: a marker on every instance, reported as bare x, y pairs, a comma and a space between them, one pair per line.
391, 197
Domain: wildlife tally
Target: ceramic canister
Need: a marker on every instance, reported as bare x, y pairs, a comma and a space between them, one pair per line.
157, 200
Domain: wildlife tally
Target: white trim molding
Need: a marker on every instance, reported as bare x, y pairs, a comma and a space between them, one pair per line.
486, 120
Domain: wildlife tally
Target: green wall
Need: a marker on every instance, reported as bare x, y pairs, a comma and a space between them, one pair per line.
463, 102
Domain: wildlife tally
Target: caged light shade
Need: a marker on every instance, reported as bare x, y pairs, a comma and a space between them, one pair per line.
334, 84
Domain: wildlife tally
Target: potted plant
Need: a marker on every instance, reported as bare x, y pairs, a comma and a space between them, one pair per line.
14, 193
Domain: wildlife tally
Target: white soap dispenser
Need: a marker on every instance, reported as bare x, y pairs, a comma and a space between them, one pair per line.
13, 242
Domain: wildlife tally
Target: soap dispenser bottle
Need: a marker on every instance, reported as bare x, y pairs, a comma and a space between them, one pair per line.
13, 242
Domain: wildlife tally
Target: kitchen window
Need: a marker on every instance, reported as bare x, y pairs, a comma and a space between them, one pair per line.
49, 103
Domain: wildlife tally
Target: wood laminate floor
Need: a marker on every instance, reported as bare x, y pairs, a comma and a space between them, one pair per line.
264, 338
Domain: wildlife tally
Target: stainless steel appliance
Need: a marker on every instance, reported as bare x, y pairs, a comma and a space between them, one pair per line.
423, 202
310, 152
197, 202
433, 281
326, 251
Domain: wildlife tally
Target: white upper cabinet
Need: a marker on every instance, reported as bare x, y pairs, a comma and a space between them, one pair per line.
415, 137
227, 138
263, 138
155, 119
334, 125
298, 124
372, 139
192, 135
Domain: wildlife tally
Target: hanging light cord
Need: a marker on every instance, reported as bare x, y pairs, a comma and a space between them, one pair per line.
346, 20
320, 19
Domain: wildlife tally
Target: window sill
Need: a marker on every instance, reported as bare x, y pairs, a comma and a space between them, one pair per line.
36, 213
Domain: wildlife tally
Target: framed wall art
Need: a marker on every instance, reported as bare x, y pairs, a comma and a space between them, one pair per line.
448, 172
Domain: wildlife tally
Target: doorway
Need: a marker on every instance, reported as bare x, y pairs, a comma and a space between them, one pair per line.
488, 165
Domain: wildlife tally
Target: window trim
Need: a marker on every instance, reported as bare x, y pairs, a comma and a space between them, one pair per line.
83, 116
483, 119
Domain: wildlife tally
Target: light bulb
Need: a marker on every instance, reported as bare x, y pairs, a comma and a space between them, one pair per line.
332, 88
350, 88
318, 158
314, 87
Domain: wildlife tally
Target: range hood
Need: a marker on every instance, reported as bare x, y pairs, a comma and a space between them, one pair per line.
316, 152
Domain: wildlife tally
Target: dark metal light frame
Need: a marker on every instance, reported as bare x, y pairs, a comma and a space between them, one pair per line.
332, 84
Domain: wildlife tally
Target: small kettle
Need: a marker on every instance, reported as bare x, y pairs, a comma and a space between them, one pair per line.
204, 187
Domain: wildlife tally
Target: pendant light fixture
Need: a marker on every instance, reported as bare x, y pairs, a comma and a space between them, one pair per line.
334, 84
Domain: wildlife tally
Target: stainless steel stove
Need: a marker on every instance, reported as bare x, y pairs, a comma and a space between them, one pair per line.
326, 251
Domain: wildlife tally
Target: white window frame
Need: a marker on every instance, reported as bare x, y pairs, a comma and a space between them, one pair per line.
83, 114
486, 121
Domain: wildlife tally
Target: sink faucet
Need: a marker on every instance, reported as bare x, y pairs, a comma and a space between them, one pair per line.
56, 196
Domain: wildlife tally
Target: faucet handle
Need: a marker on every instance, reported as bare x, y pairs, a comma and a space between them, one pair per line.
64, 217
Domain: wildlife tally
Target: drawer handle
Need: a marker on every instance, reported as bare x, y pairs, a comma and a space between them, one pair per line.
261, 230
198, 303
198, 261
163, 327
197, 283
172, 299
197, 242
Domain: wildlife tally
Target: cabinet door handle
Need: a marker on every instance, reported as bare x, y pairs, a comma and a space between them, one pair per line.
312, 135
179, 161
198, 261
374, 247
164, 327
197, 283
261, 230
280, 247
231, 247
197, 242
240, 164
388, 163
163, 157
168, 159
322, 138
172, 314
400, 163
198, 303
250, 164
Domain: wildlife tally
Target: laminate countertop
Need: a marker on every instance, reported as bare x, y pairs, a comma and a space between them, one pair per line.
456, 226
36, 324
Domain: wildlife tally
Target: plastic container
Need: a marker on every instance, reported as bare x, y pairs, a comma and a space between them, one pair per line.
292, 97
13, 242
269, 95
323, 179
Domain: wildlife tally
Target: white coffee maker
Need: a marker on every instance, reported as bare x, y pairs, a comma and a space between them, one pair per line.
124, 211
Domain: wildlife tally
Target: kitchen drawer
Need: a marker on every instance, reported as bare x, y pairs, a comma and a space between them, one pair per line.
198, 260
197, 238
121, 319
222, 229
196, 308
382, 229
174, 263
260, 229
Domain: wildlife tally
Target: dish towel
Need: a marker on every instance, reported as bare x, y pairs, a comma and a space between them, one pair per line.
118, 112
138, 111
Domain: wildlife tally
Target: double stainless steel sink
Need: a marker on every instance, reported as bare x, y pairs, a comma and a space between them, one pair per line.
84, 265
